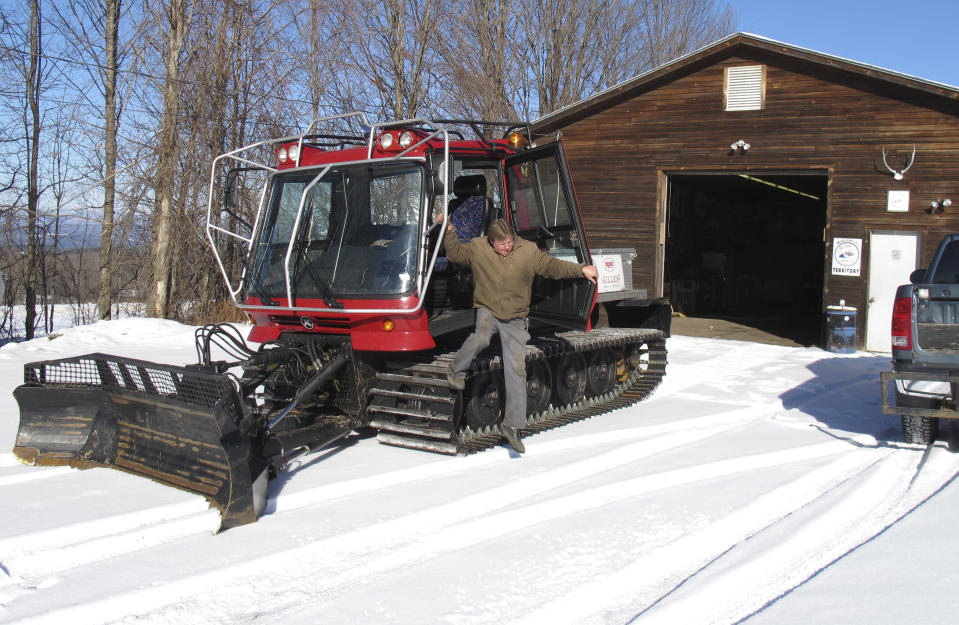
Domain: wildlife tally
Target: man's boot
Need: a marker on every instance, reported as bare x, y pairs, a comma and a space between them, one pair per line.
512, 437
456, 379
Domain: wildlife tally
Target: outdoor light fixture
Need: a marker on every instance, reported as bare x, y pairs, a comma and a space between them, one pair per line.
739, 145
938, 206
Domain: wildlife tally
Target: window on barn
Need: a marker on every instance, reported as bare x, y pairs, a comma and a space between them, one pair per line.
745, 88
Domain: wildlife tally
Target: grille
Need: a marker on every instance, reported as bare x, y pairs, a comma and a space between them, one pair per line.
115, 373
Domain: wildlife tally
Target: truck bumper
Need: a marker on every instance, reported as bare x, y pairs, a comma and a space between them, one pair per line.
905, 379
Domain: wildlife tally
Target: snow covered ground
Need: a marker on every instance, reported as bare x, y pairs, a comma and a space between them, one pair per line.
759, 484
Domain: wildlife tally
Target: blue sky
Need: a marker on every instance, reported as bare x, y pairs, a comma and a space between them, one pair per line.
916, 37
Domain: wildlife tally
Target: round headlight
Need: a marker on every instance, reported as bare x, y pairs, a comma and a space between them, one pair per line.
281, 154
294, 152
386, 140
406, 139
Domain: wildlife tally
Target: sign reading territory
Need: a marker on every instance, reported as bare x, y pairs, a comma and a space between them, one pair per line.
846, 257
610, 270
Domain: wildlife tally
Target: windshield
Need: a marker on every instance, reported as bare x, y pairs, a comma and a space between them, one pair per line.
357, 233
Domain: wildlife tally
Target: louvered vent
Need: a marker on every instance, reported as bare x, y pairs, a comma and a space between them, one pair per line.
744, 88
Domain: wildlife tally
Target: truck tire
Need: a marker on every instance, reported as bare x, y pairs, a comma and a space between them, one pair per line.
919, 430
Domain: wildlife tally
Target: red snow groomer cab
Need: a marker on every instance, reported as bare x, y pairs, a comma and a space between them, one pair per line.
332, 247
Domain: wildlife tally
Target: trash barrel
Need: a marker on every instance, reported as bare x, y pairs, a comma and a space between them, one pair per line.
841, 329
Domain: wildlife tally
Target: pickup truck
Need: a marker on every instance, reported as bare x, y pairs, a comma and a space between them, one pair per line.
925, 347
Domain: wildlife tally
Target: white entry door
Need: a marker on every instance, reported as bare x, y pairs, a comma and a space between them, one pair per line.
892, 257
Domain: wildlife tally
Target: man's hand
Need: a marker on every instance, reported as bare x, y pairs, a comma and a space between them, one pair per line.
439, 220
590, 273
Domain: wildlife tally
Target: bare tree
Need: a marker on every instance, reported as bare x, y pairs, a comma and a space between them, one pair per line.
319, 49
668, 29
177, 14
90, 31
480, 59
110, 40
532, 57
389, 62
33, 75
238, 70
572, 48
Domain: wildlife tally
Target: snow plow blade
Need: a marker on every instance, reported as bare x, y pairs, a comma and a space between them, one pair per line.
178, 426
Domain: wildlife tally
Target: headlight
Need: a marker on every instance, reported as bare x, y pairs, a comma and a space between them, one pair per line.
406, 139
294, 152
386, 140
281, 154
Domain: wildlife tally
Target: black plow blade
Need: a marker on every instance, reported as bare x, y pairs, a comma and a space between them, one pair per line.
174, 425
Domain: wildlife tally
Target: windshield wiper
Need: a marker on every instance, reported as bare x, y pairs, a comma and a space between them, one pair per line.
326, 293
258, 290
329, 298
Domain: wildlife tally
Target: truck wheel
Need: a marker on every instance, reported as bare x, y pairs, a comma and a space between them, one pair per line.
953, 435
919, 430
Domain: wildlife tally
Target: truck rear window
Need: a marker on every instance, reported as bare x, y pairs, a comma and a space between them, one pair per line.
947, 269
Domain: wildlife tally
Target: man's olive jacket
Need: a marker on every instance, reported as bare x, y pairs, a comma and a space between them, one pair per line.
502, 284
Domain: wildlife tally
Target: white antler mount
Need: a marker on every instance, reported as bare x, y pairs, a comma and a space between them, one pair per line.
897, 174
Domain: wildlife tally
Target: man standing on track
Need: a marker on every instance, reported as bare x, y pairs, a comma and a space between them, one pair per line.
504, 266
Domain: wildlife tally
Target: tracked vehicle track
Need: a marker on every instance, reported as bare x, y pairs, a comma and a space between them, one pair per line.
570, 377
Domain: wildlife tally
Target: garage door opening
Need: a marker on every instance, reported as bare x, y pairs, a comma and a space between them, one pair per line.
748, 250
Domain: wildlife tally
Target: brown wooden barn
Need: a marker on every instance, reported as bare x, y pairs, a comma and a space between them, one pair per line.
766, 182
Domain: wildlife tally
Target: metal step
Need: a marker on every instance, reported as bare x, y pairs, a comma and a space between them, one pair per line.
450, 449
412, 396
412, 380
405, 428
415, 413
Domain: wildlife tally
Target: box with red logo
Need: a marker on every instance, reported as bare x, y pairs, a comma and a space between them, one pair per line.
615, 268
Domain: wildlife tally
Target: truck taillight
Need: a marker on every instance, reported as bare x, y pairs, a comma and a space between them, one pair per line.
902, 323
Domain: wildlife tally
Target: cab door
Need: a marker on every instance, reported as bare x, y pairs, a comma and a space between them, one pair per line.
542, 209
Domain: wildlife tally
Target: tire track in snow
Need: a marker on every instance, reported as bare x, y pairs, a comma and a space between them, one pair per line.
44, 554
687, 582
347, 488
23, 547
897, 486
730, 362
327, 565
41, 473
490, 528
46, 562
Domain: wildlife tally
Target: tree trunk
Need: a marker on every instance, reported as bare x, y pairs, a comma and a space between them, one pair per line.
110, 153
159, 297
32, 127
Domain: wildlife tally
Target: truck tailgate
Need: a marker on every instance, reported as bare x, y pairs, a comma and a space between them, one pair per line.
937, 317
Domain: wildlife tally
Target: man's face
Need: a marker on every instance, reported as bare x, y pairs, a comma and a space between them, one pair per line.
503, 246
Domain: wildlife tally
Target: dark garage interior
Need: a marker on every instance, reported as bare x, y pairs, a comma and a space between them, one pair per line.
748, 248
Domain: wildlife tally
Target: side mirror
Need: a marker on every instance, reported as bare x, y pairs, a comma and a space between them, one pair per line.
438, 173
230, 191
918, 276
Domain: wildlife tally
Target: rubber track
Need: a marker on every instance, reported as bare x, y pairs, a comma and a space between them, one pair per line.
428, 381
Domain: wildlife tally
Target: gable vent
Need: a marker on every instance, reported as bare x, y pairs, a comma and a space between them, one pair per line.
745, 88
